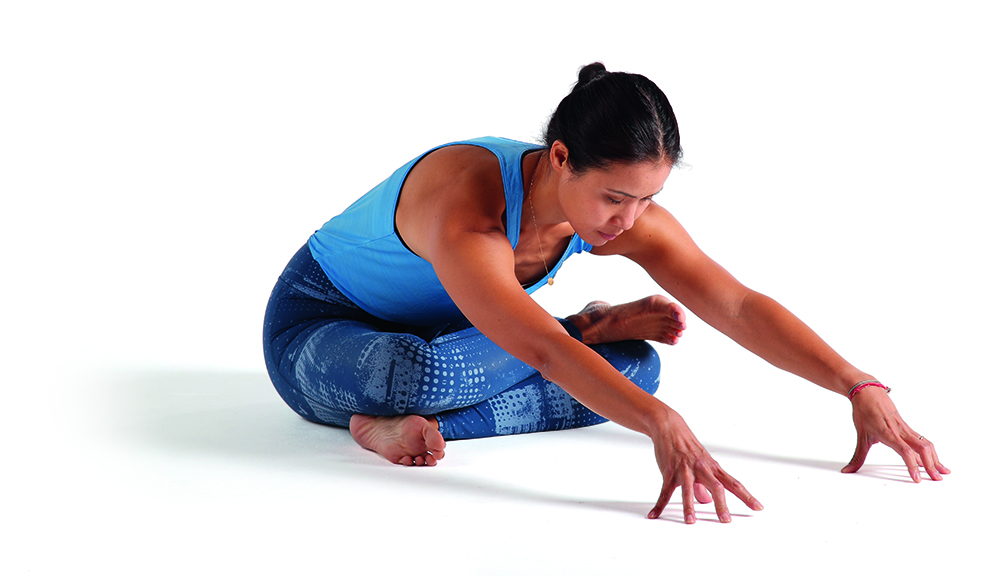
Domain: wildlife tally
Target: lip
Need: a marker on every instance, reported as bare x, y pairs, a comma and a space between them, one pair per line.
607, 237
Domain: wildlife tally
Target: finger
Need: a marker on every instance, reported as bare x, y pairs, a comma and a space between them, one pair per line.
860, 453
719, 493
928, 458
937, 463
908, 455
721, 508
701, 494
737, 488
934, 461
661, 502
687, 493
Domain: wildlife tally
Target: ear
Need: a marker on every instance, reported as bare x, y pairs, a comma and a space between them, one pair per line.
559, 157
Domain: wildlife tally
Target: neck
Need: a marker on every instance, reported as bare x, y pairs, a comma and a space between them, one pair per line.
540, 190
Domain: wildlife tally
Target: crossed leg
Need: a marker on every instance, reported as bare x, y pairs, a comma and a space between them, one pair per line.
417, 440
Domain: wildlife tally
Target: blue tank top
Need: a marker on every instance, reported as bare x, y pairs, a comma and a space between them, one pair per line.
365, 259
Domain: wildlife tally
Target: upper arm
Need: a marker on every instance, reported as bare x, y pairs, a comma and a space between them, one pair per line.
455, 208
477, 270
659, 244
476, 267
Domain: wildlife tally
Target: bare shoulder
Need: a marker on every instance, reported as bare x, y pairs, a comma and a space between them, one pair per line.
453, 187
454, 174
458, 158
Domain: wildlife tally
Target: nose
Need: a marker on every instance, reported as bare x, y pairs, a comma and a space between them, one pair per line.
625, 217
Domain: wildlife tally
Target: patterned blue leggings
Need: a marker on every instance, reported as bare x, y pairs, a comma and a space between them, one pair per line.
329, 359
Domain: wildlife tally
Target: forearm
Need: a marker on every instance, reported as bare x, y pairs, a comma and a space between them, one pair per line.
769, 330
596, 384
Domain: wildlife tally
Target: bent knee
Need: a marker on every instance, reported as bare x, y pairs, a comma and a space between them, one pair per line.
637, 360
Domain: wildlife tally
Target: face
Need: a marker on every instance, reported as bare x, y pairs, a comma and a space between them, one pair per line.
600, 204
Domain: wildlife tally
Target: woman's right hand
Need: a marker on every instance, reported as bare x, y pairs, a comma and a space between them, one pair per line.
684, 462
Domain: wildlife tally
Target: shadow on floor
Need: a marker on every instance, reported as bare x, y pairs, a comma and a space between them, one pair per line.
232, 415
239, 416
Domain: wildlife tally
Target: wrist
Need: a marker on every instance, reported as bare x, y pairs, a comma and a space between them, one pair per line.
864, 385
848, 379
661, 422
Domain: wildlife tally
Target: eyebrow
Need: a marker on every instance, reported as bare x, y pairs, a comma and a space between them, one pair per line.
631, 196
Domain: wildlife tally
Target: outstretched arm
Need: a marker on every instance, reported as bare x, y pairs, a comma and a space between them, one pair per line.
475, 272
663, 248
462, 237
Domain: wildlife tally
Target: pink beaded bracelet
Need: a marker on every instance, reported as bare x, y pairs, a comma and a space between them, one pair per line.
864, 384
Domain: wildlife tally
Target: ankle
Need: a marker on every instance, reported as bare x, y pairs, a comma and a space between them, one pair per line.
585, 324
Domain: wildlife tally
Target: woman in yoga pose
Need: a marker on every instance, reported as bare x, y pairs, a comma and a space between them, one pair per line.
408, 317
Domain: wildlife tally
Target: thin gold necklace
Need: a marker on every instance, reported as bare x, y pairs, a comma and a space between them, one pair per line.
531, 206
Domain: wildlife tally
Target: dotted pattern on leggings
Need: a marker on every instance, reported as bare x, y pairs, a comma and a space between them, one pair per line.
561, 405
536, 404
517, 411
329, 360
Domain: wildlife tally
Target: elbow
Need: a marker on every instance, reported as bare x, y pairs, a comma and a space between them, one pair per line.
735, 307
546, 358
735, 312
543, 362
546, 370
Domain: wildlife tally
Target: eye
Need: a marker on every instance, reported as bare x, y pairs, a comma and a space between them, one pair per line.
614, 201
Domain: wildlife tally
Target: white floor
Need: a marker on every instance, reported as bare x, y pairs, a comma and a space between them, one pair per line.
161, 165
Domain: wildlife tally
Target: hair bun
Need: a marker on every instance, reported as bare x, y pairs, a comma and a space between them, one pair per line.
591, 72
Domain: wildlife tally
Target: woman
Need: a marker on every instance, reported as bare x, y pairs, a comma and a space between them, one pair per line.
408, 317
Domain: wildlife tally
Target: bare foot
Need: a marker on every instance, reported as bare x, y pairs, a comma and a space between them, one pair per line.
652, 318
410, 440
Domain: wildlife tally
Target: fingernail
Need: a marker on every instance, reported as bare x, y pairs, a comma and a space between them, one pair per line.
757, 505
689, 519
726, 518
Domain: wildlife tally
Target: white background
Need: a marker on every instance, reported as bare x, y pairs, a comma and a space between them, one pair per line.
160, 162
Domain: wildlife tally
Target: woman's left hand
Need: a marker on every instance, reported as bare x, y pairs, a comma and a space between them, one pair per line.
877, 420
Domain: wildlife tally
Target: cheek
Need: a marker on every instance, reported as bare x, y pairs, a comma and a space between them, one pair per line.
603, 213
589, 210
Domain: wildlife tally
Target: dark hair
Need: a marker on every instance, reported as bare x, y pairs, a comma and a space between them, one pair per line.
614, 117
